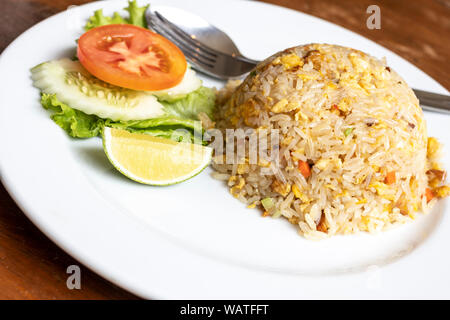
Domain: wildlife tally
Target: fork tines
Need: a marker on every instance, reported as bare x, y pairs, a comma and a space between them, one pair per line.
193, 49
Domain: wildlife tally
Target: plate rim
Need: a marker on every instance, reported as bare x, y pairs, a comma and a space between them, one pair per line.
113, 275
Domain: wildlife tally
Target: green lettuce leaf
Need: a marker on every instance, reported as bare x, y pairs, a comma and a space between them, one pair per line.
98, 19
137, 14
176, 134
154, 122
167, 127
179, 123
189, 106
136, 17
76, 123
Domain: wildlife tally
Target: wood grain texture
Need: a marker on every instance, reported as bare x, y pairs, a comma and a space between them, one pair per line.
32, 267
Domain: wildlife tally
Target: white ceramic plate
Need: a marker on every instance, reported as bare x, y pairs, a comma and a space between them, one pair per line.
194, 240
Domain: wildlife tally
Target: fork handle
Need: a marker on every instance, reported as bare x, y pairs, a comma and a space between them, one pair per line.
433, 101
247, 60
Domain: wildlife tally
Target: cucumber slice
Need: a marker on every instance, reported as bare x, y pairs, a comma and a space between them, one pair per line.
74, 86
189, 84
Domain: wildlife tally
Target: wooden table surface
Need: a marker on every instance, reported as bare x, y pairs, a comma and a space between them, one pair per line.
33, 267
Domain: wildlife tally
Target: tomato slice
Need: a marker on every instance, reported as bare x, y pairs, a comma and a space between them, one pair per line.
131, 57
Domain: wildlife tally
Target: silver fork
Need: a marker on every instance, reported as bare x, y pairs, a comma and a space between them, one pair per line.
203, 58
226, 66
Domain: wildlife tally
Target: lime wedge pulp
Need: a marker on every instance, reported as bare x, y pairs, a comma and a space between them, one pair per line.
152, 160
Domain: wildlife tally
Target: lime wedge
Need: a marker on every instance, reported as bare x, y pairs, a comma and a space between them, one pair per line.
151, 160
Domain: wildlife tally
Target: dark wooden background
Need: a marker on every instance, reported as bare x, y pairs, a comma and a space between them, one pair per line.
32, 267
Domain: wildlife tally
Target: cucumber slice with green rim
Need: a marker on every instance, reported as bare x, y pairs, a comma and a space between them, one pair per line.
189, 84
76, 87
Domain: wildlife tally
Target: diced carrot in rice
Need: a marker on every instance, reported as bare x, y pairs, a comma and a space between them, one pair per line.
390, 177
304, 168
321, 226
429, 194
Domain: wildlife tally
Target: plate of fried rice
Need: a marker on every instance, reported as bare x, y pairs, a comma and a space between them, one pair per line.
328, 180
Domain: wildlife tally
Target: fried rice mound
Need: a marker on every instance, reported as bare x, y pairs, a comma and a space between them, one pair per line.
348, 149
